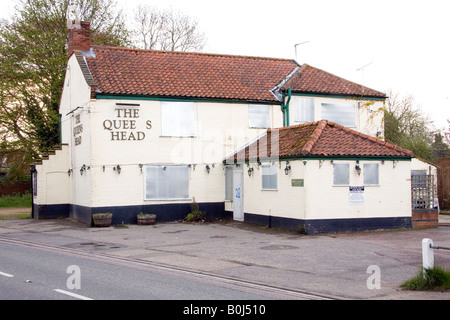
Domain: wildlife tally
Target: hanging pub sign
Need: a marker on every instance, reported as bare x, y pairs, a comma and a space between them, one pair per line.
77, 130
356, 194
125, 126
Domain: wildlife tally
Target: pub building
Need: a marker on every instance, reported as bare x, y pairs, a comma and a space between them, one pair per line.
255, 139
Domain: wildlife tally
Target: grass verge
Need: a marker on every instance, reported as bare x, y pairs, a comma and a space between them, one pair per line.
16, 201
429, 279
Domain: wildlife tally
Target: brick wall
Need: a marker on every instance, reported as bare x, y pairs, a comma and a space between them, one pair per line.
424, 218
18, 187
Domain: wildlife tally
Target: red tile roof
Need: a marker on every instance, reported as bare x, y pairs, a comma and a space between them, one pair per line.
318, 139
310, 80
123, 71
186, 75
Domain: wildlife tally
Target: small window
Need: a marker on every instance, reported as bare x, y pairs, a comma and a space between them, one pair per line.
370, 172
228, 183
177, 119
269, 177
304, 109
166, 182
341, 113
341, 174
259, 116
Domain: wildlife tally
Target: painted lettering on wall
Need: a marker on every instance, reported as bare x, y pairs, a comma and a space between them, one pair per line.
77, 130
124, 127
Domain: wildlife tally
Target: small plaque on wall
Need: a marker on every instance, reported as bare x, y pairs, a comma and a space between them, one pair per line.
297, 182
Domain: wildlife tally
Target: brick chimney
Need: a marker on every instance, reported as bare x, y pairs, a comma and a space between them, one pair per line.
79, 36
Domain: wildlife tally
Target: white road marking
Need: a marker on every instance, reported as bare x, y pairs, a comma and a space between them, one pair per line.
6, 274
71, 294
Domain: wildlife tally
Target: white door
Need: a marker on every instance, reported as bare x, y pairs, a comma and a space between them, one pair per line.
238, 195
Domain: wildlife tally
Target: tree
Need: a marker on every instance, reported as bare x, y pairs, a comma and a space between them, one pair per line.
440, 148
34, 56
447, 133
406, 126
167, 30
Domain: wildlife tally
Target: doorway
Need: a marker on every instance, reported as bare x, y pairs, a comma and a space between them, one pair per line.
238, 195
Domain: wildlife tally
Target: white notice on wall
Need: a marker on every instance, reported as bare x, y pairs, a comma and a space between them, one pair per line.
356, 194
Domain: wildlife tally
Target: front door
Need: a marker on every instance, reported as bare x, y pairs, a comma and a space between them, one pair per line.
238, 195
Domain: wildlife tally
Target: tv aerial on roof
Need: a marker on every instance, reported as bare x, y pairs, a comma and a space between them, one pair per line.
296, 45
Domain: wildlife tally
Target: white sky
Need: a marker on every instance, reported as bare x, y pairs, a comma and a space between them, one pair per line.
406, 42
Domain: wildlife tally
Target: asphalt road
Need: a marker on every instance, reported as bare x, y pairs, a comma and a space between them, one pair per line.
51, 274
251, 261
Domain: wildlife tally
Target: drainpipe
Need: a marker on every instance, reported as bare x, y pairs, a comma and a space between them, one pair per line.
285, 109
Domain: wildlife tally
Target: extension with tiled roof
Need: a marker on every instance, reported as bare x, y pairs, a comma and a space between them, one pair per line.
318, 139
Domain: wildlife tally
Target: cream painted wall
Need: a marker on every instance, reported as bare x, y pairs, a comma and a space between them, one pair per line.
220, 129
286, 201
76, 94
319, 199
369, 114
392, 198
53, 179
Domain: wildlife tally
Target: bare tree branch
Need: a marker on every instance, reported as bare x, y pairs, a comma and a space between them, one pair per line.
167, 30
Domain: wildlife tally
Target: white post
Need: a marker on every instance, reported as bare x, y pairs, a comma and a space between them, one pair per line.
427, 254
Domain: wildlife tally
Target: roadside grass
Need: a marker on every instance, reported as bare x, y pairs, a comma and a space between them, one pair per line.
15, 216
16, 206
429, 279
16, 201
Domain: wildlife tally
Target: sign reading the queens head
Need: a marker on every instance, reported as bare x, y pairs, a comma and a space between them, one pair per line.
125, 126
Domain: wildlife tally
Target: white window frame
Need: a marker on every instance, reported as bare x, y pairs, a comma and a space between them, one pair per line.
167, 182
304, 110
337, 175
371, 168
339, 113
177, 119
269, 177
259, 116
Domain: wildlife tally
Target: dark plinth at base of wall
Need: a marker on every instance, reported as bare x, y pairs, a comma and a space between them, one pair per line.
314, 226
51, 211
215, 210
128, 214
425, 218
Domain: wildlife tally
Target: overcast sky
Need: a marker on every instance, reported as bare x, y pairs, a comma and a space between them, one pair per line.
404, 44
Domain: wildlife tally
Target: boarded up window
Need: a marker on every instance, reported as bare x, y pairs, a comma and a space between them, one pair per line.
169, 182
259, 116
341, 113
304, 110
341, 174
269, 177
178, 119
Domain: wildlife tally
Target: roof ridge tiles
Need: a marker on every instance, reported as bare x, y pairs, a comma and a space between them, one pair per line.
315, 136
99, 47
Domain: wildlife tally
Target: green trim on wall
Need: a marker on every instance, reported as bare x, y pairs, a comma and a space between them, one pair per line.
344, 158
179, 99
335, 96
